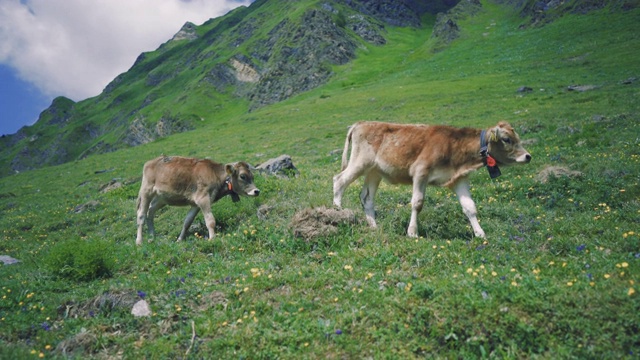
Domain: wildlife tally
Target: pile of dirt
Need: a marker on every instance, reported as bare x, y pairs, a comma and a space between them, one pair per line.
556, 171
320, 222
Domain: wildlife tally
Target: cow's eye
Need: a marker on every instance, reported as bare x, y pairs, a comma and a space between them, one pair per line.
243, 177
506, 140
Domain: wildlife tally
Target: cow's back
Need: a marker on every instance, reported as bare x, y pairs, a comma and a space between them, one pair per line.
402, 144
179, 174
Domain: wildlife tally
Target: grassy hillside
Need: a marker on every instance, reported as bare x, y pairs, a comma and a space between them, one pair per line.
557, 276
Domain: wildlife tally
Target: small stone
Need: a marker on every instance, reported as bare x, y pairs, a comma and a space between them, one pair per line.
140, 309
8, 260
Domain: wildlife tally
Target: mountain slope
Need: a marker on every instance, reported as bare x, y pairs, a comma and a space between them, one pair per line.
251, 57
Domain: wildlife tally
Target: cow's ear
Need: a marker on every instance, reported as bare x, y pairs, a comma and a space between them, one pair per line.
503, 129
229, 169
495, 135
500, 130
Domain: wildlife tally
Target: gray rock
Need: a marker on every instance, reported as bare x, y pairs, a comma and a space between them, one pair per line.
140, 309
282, 166
8, 260
581, 88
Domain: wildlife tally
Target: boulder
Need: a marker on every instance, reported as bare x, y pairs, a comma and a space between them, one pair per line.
282, 166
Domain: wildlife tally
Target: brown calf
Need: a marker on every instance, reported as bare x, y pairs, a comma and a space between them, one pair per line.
421, 155
180, 181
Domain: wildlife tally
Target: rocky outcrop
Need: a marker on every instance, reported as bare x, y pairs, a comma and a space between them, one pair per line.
304, 57
392, 12
446, 28
244, 72
541, 12
35, 155
187, 32
141, 132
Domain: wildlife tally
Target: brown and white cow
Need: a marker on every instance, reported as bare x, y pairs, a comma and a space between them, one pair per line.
181, 181
421, 155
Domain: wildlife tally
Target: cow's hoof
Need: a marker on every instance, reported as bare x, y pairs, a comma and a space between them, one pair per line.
481, 235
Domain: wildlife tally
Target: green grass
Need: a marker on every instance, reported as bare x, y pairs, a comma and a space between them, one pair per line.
557, 276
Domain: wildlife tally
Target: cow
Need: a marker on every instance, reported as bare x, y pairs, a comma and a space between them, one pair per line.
181, 181
421, 155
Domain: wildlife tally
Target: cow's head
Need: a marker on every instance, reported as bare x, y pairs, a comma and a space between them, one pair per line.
504, 145
242, 179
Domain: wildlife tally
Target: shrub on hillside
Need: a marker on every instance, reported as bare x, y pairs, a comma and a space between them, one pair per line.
80, 260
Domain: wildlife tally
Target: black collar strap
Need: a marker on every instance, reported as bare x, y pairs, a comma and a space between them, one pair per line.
487, 159
234, 195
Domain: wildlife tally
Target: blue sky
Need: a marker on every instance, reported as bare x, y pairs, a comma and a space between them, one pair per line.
74, 48
20, 102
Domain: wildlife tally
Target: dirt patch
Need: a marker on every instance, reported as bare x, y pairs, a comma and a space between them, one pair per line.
316, 222
556, 171
101, 304
81, 343
210, 300
111, 185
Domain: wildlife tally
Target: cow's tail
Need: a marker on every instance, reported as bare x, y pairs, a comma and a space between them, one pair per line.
347, 143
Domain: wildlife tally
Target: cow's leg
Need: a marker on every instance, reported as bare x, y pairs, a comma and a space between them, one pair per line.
144, 199
417, 201
205, 205
367, 195
343, 180
156, 204
468, 206
188, 221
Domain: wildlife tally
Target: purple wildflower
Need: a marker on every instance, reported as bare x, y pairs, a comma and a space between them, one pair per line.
45, 326
338, 332
142, 294
581, 247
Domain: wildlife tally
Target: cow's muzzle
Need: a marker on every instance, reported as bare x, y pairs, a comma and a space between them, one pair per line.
254, 192
524, 158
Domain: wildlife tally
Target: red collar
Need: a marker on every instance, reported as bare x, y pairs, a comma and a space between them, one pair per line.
487, 159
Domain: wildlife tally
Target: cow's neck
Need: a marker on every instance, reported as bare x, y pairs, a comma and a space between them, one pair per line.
472, 159
227, 189
487, 159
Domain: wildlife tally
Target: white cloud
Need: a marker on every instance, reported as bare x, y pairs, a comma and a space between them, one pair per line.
76, 47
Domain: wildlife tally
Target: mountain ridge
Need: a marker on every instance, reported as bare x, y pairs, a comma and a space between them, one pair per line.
233, 64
